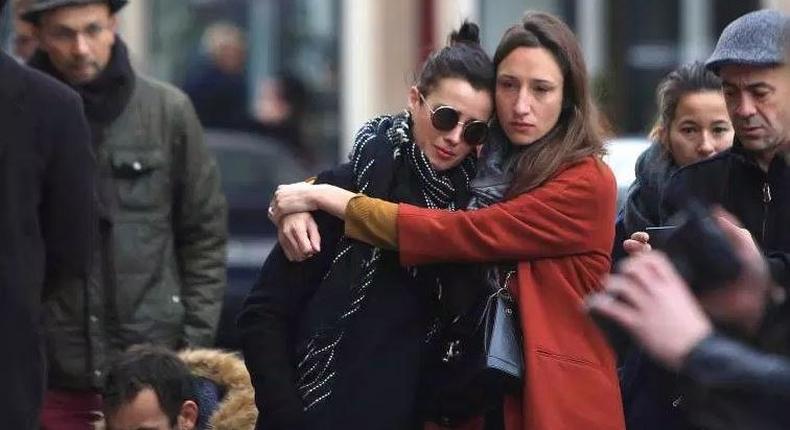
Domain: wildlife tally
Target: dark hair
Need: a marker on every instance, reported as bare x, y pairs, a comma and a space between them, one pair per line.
462, 58
688, 78
148, 366
577, 133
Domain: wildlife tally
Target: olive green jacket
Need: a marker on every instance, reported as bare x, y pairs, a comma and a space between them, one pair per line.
158, 272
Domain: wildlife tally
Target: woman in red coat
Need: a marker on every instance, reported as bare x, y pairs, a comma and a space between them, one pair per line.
552, 209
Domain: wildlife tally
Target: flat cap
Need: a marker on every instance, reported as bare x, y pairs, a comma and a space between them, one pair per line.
32, 12
755, 39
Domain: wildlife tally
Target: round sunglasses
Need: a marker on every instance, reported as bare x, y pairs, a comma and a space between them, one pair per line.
445, 118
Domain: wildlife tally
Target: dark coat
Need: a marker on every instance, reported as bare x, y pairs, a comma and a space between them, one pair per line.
271, 314
656, 398
388, 331
653, 169
375, 373
742, 387
760, 200
46, 222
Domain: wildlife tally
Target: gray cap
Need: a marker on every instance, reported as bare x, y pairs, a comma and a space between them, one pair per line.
756, 39
36, 7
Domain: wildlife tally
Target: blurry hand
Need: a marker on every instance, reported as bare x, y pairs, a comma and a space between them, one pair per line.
298, 236
288, 199
740, 304
639, 242
650, 300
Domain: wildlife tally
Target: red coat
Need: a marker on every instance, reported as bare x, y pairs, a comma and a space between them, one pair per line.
561, 234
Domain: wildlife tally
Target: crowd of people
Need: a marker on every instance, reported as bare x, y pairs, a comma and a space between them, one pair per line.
115, 229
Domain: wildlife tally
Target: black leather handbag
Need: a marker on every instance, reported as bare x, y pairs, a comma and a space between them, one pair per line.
476, 359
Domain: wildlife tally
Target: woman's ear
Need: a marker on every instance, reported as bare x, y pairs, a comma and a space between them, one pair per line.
414, 98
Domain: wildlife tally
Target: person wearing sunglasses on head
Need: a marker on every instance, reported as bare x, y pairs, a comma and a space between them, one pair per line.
552, 210
334, 342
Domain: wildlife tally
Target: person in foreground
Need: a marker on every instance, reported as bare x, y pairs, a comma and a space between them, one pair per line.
729, 382
335, 342
47, 172
552, 205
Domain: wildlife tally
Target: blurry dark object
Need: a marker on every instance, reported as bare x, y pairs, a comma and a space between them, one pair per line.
24, 38
33, 11
217, 85
478, 358
699, 250
280, 107
47, 223
251, 167
660, 234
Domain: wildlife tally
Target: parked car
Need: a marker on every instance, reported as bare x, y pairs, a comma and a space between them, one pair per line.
622, 153
251, 167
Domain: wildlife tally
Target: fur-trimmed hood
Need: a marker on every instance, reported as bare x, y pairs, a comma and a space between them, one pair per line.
236, 410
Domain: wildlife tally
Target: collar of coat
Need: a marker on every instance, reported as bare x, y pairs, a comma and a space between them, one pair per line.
236, 410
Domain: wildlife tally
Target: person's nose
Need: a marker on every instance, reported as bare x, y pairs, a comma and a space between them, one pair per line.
706, 147
80, 46
455, 136
523, 104
746, 106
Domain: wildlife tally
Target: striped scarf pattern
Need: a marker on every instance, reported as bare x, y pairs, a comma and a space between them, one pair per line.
317, 368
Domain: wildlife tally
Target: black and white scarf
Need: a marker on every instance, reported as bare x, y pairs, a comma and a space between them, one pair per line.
383, 148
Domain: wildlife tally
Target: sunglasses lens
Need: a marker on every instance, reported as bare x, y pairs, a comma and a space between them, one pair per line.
475, 133
444, 118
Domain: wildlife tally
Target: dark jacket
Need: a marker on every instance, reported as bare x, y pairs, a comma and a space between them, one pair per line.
159, 265
46, 222
378, 365
743, 388
656, 398
375, 369
270, 319
653, 169
760, 200
220, 98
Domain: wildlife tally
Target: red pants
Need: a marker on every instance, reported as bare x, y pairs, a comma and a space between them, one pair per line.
70, 410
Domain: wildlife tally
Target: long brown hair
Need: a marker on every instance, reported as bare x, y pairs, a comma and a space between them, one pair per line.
577, 133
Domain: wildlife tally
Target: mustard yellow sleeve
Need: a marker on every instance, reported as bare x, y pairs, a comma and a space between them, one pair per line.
374, 221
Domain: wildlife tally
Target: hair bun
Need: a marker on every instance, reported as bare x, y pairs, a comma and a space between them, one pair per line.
468, 33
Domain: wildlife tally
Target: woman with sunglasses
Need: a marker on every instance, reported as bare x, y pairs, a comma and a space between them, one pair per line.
335, 342
552, 213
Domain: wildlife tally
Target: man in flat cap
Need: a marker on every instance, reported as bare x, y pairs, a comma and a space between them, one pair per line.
751, 181
158, 274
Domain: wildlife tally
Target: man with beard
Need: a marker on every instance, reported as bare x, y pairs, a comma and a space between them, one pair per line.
158, 270
46, 194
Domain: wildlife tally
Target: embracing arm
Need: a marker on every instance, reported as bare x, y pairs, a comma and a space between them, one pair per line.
570, 214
